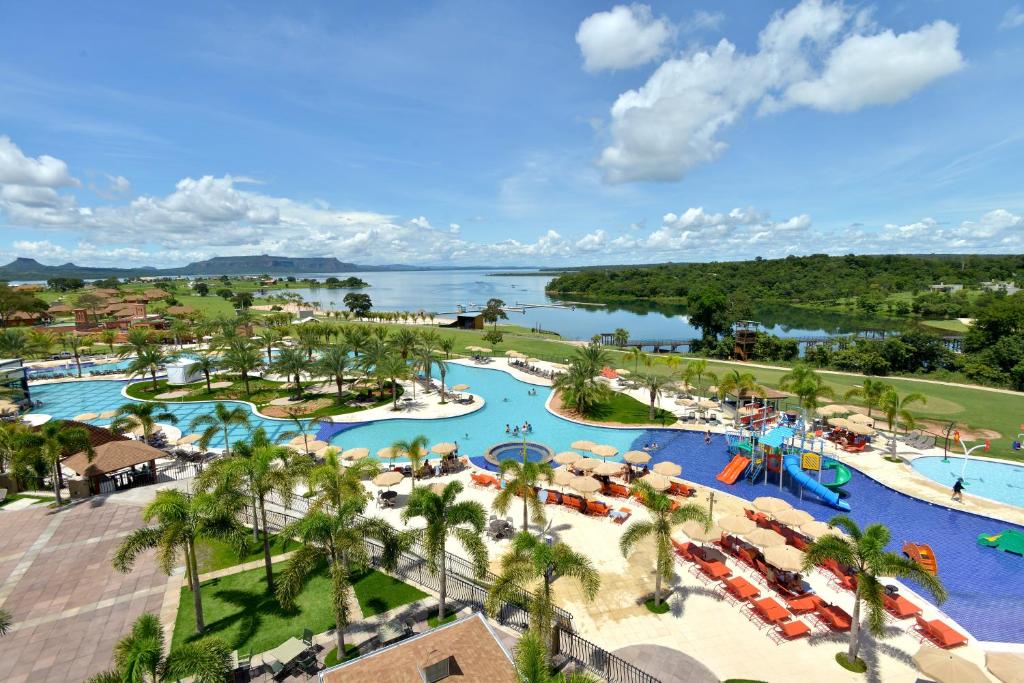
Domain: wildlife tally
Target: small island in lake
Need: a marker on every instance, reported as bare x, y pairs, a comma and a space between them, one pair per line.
348, 283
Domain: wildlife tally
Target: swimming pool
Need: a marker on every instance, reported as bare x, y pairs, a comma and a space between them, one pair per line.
983, 596
987, 478
514, 450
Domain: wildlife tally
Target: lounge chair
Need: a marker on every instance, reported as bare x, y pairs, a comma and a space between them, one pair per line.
574, 502
554, 498
684, 550
741, 589
622, 516
713, 569
899, 607
939, 633
678, 488
834, 618
618, 490
596, 508
805, 604
789, 630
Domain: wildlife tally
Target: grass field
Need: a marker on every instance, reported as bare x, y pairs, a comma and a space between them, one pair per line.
11, 497
946, 325
213, 554
628, 410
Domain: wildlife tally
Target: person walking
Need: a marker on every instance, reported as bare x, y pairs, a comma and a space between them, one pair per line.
958, 490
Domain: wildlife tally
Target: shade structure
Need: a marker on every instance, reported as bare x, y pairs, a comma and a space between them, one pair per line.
697, 532
840, 422
604, 451
862, 419
737, 524
355, 453
189, 438
445, 448
831, 410
668, 469
608, 469
322, 452
637, 457
388, 453
484, 349
945, 667
107, 414
793, 517
784, 557
815, 530
1006, 666
438, 488
460, 387
313, 446
685, 402
713, 389
656, 481
771, 505
765, 538
582, 445
512, 353
85, 417
706, 403
586, 464
562, 477
859, 428
299, 441
585, 484
533, 360
388, 478
567, 457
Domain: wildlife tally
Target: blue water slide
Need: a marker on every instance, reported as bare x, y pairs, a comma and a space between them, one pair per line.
792, 465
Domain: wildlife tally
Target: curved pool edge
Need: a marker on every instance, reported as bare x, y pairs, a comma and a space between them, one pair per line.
973, 495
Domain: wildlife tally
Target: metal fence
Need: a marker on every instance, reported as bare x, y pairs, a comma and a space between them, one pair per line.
599, 661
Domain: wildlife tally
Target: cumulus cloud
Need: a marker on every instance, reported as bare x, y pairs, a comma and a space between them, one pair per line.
623, 37
818, 54
1014, 18
43, 171
725, 235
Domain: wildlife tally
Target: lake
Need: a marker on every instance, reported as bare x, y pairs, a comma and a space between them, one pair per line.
442, 291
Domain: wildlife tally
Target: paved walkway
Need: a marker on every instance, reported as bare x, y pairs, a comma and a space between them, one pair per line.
666, 664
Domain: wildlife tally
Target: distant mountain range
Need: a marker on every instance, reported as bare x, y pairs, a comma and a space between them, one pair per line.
30, 269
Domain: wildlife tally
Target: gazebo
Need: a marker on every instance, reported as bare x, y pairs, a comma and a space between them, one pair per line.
113, 465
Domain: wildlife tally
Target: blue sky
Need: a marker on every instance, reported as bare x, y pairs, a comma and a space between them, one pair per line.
509, 133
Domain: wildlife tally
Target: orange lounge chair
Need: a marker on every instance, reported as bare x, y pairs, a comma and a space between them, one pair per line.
684, 550
804, 604
480, 479
834, 618
617, 490
597, 508
791, 630
769, 611
939, 633
573, 502
678, 488
900, 607
741, 589
713, 569
554, 498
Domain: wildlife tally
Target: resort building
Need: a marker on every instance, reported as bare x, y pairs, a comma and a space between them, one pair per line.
14, 378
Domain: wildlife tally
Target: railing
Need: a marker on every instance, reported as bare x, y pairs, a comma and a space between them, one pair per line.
599, 661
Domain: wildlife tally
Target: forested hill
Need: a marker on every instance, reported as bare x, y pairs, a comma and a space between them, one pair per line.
794, 279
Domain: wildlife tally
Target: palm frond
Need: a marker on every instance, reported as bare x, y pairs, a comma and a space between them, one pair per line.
134, 545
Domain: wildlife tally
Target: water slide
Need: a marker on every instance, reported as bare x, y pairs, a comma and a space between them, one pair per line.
791, 463
842, 474
733, 470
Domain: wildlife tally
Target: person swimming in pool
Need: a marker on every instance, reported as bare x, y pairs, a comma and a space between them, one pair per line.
707, 437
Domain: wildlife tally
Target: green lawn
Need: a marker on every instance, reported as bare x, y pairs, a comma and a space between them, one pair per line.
946, 325
628, 410
351, 652
11, 497
212, 554
238, 609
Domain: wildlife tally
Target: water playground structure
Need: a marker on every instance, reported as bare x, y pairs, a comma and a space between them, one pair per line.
1010, 541
771, 456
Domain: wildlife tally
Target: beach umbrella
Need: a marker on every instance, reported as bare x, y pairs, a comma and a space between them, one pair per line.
582, 445
697, 532
388, 479
439, 487
562, 477
585, 484
946, 667
355, 453
586, 464
713, 389
668, 469
605, 451
567, 458
85, 417
840, 422
737, 524
793, 517
771, 505
637, 457
533, 360
706, 403
388, 453
460, 387
191, 438
444, 448
859, 428
473, 348
1006, 666
314, 445
815, 529
656, 481
831, 409
322, 452
765, 538
484, 349
784, 557
861, 419
609, 469
298, 441
106, 415
684, 402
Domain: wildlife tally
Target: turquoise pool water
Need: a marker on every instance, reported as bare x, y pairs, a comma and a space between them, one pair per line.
996, 480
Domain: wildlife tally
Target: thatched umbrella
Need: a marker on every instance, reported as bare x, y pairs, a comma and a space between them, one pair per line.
815, 530
1006, 666
388, 479
685, 402
388, 453
622, 371
85, 417
460, 387
637, 457
191, 438
582, 445
707, 404
562, 477
298, 441
567, 457
737, 524
355, 453
831, 410
771, 505
585, 485
793, 517
604, 451
862, 419
765, 538
609, 469
945, 667
586, 464
784, 557
444, 448
668, 469
656, 481
859, 428
697, 532
107, 414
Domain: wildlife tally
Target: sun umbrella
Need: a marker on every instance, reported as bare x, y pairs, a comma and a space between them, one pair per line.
298, 441
438, 488
831, 409
816, 529
355, 453
585, 484
608, 469
483, 349
512, 352
388, 479
784, 557
862, 419
322, 452
771, 505
586, 464
1006, 666
604, 450
106, 415
697, 532
859, 428
765, 538
460, 387
713, 389
706, 403
314, 445
669, 469
793, 517
737, 524
684, 402
637, 457
567, 457
444, 448
840, 422
388, 453
656, 481
191, 438
583, 445
946, 667
533, 360
85, 417
562, 477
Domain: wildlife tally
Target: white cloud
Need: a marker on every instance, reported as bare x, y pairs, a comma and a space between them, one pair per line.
704, 21
817, 54
454, 228
591, 242
698, 231
421, 222
43, 171
622, 37
1014, 18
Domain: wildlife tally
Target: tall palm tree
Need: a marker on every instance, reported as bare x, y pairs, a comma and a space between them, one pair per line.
220, 421
75, 344
108, 337
737, 383
579, 389
635, 354
302, 427
338, 536
654, 384
808, 386
520, 480
142, 416
442, 370
148, 360
357, 337
334, 362
332, 483
404, 340
425, 359
142, 657
463, 520
533, 664
269, 337
446, 344
896, 412
415, 449
659, 528
531, 560
207, 364
863, 550
593, 357
40, 342
181, 330
373, 359
869, 392
53, 441
14, 342
137, 338
695, 372
292, 362
394, 367
243, 357
181, 521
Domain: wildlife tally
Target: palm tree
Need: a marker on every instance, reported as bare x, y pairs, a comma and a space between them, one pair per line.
446, 344
39, 343
108, 337
292, 362
181, 330
337, 535
442, 370
268, 339
869, 392
520, 479
394, 367
141, 416
863, 551
425, 359
332, 483
444, 516
374, 355
302, 427
695, 373
148, 360
221, 420
579, 389
404, 340
808, 386
415, 449
207, 364
738, 383
243, 357
896, 412
182, 520
635, 354
334, 362
357, 337
140, 657
659, 528
75, 344
593, 357
5, 622
53, 441
137, 338
533, 664
654, 384
531, 560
